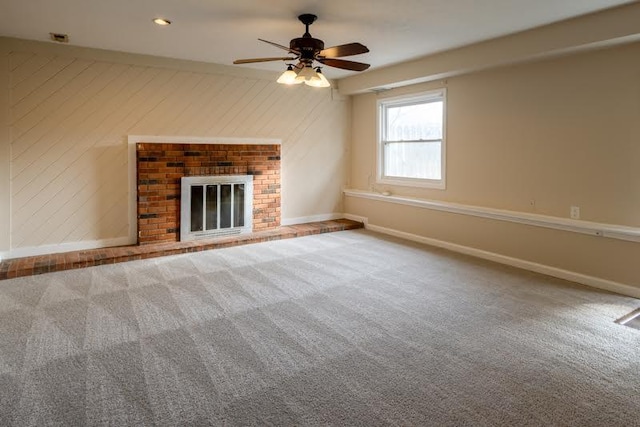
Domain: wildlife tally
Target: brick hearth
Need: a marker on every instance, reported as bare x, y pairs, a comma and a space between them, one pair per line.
160, 167
29, 266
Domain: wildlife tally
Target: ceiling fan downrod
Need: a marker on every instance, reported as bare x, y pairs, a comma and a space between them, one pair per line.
307, 19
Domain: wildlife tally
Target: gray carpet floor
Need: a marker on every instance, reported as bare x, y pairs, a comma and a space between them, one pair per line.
348, 328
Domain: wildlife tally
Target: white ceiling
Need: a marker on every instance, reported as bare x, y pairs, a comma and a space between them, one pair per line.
220, 31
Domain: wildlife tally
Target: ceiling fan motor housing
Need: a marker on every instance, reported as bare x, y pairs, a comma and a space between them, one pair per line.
307, 46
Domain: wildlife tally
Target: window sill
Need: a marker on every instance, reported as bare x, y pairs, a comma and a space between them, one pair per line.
409, 182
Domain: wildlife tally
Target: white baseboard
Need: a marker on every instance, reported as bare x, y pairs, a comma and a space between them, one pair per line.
357, 218
312, 218
65, 247
584, 279
572, 276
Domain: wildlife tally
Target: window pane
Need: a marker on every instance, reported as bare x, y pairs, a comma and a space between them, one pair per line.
196, 207
238, 205
212, 207
413, 160
225, 206
414, 122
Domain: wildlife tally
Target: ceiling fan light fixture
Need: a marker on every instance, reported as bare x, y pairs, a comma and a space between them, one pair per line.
319, 80
289, 77
306, 74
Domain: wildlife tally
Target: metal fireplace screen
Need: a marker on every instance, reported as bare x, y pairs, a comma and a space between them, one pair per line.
215, 205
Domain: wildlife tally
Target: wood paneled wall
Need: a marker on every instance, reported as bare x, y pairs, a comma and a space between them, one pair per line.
70, 117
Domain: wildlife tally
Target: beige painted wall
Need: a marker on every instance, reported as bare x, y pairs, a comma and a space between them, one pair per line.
71, 110
561, 132
5, 153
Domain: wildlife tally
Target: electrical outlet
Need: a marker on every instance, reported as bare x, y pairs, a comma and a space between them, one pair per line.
575, 212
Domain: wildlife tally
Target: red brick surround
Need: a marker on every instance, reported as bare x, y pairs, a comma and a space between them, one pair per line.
160, 167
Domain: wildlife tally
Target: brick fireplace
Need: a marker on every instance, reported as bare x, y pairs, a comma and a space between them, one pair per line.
161, 166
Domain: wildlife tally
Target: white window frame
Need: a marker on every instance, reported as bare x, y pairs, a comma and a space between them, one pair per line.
382, 105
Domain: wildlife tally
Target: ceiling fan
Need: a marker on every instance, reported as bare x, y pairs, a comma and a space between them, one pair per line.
307, 49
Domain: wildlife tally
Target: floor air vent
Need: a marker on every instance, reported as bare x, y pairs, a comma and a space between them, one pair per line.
632, 319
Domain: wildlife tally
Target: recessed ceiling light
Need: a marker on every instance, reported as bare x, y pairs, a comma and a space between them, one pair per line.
161, 21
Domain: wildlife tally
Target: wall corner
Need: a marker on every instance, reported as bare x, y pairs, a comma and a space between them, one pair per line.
5, 151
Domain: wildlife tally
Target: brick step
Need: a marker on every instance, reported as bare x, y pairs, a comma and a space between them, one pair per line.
30, 266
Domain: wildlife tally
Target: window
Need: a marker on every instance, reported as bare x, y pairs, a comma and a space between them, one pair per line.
412, 141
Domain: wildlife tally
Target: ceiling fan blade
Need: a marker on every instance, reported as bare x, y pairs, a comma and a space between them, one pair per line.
252, 60
345, 65
280, 46
343, 50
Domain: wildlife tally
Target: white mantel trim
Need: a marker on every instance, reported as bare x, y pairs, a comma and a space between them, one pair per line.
159, 139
